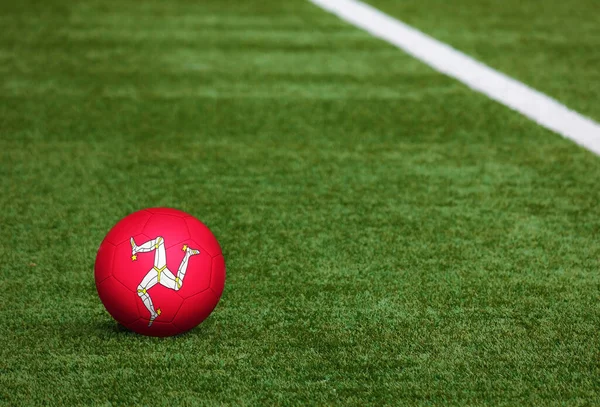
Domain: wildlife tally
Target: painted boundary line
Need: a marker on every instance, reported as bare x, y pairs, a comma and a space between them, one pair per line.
531, 103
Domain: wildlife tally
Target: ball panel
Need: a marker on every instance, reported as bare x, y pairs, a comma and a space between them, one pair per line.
104, 262
203, 236
195, 309
171, 228
168, 211
160, 329
217, 281
119, 301
163, 299
128, 226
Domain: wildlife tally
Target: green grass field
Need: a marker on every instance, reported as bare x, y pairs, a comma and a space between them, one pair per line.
391, 237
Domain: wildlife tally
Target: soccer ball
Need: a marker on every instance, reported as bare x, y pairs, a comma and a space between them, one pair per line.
160, 272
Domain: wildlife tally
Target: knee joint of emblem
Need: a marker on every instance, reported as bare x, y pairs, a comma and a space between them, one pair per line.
141, 291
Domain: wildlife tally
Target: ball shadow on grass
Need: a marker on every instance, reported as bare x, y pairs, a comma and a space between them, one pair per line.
115, 328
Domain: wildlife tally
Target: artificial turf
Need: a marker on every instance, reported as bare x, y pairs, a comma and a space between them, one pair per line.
391, 237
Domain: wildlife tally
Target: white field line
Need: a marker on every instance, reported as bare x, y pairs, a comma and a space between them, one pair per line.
535, 105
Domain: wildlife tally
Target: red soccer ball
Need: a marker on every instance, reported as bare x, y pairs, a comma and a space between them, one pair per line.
160, 272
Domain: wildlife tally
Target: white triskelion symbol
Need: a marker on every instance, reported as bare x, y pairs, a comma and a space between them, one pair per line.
160, 273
